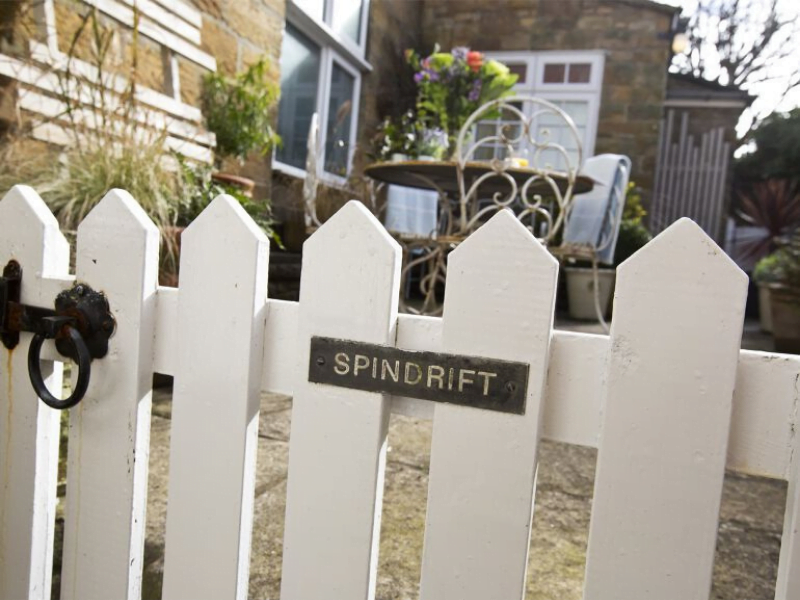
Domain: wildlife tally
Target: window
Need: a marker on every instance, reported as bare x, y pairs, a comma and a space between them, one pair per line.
322, 59
572, 81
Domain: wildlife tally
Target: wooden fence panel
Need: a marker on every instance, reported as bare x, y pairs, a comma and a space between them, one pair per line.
28, 428
690, 176
215, 405
679, 310
499, 303
349, 289
110, 429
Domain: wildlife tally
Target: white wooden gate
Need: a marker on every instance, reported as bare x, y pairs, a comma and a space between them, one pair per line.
668, 398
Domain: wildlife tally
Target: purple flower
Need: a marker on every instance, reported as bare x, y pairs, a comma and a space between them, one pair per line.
475, 92
419, 77
460, 52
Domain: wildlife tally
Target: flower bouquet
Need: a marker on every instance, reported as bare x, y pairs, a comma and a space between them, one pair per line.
452, 85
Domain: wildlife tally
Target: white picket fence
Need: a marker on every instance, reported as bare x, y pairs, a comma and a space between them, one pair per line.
668, 398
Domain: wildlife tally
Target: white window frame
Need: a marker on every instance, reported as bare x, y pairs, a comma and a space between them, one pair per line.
534, 85
334, 48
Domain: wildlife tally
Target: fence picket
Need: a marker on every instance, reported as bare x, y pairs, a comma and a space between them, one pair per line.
349, 289
499, 303
110, 429
666, 418
28, 428
788, 582
221, 318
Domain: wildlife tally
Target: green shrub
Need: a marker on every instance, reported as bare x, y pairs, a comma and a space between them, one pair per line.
239, 110
782, 267
633, 235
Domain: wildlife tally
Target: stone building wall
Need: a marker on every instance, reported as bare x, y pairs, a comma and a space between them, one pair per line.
238, 34
633, 33
389, 89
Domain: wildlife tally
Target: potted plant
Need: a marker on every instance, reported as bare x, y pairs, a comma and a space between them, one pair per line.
785, 295
632, 236
239, 111
767, 273
452, 85
396, 140
432, 143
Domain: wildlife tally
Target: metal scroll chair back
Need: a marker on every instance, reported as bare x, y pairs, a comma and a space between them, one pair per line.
594, 217
503, 133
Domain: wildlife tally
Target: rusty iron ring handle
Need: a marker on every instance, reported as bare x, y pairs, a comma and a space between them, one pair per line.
84, 371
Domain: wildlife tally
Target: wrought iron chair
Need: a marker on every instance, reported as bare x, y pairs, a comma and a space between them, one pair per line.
535, 148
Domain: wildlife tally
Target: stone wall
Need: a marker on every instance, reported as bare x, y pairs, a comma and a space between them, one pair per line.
389, 89
633, 33
238, 34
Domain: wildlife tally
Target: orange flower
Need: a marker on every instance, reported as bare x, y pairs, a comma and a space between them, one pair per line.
475, 61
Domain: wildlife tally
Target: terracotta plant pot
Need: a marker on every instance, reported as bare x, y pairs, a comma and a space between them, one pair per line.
786, 318
244, 184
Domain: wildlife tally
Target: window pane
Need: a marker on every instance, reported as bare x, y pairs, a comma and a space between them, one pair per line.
553, 129
340, 114
299, 77
315, 8
520, 70
580, 73
554, 73
347, 18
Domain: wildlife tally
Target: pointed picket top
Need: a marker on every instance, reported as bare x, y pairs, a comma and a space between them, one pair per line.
355, 229
224, 219
215, 404
118, 210
671, 370
29, 234
349, 289
22, 211
685, 250
518, 259
499, 303
118, 254
503, 228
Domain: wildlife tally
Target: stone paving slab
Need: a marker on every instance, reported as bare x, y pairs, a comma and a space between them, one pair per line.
749, 540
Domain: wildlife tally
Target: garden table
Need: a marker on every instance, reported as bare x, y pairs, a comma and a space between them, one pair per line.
498, 180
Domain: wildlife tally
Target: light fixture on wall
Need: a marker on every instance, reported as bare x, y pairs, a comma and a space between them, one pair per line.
680, 43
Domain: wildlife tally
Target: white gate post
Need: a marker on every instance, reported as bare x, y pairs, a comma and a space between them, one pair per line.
221, 318
28, 428
349, 289
110, 429
678, 314
499, 303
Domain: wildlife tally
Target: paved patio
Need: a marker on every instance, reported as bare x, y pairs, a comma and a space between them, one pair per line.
749, 534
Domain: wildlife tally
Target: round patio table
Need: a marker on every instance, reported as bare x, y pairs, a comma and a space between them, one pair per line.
428, 255
442, 176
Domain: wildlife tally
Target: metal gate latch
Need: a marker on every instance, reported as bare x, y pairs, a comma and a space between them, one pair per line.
81, 325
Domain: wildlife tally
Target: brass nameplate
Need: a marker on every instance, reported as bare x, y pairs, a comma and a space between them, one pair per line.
491, 384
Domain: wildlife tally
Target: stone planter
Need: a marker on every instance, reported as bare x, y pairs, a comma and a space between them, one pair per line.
785, 303
580, 292
764, 307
